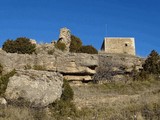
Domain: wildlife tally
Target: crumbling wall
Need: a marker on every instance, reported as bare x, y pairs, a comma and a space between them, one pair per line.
65, 37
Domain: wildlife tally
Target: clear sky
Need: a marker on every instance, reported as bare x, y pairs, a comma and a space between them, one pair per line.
90, 20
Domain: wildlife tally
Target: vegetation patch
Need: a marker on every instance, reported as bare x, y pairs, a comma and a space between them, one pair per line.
123, 101
77, 47
61, 46
88, 49
39, 67
65, 107
76, 44
21, 45
4, 79
151, 67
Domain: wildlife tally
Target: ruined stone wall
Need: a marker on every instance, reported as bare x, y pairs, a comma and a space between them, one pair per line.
65, 37
119, 45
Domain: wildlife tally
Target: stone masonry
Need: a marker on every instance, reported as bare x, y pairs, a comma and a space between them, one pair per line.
65, 37
119, 45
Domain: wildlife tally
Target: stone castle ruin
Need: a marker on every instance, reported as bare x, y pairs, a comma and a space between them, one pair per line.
110, 45
65, 37
119, 45
46, 69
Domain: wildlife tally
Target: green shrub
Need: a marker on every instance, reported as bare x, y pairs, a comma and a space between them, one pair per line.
9, 46
152, 63
4, 81
76, 44
88, 49
67, 94
65, 107
151, 67
61, 46
21, 45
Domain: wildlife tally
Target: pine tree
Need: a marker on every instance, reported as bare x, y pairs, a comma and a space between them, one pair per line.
152, 63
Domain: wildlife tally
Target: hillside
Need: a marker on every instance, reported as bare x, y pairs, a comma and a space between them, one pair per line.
55, 84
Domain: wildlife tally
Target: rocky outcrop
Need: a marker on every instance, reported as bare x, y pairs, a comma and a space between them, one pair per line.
115, 67
45, 48
78, 78
73, 64
39, 88
77, 64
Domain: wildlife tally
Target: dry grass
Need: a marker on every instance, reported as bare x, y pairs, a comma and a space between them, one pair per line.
138, 100
119, 101
15, 113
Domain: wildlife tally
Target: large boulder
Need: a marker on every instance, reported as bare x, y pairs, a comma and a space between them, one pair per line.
39, 88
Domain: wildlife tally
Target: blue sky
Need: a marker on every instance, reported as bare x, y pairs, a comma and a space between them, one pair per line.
90, 20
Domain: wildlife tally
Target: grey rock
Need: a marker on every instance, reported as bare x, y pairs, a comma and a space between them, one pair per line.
77, 63
3, 101
40, 88
78, 78
63, 62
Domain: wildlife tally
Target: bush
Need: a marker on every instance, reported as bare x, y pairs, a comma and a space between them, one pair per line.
64, 107
21, 45
151, 67
61, 46
4, 81
88, 49
152, 63
67, 94
76, 44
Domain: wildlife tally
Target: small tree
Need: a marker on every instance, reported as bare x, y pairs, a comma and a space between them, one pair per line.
152, 63
67, 94
9, 46
21, 45
76, 44
88, 49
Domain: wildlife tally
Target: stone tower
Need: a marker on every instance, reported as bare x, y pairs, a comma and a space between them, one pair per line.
119, 45
65, 37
